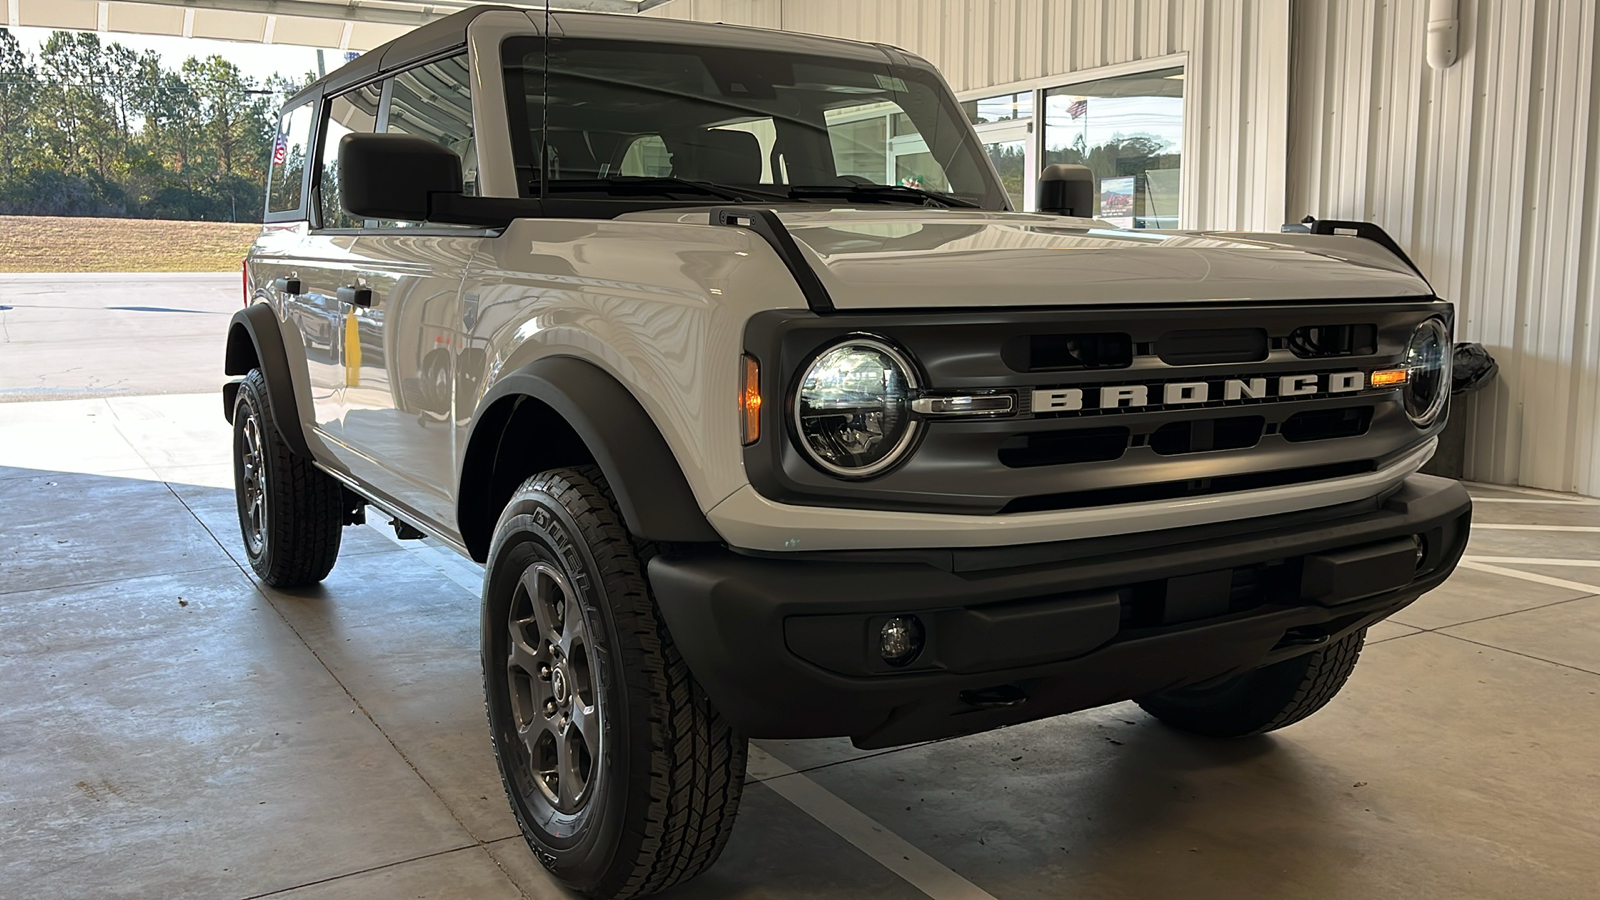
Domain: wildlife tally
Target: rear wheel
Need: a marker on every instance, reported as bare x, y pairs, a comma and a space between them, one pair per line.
1264, 700
623, 776
290, 512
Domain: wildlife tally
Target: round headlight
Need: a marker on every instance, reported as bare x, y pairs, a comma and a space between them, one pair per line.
852, 411
1427, 372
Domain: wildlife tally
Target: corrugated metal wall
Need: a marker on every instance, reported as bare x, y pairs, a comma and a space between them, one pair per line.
1488, 173
1237, 78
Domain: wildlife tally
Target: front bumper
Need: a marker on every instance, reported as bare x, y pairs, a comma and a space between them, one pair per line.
786, 645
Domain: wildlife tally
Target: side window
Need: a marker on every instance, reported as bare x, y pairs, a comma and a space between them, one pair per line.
289, 151
354, 112
435, 102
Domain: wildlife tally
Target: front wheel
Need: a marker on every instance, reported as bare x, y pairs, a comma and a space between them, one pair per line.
1264, 700
290, 512
623, 776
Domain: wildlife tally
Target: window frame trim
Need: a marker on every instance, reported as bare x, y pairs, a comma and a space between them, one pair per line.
380, 126
302, 212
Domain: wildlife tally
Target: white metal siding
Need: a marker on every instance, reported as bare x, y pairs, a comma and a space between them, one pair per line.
1487, 173
1236, 134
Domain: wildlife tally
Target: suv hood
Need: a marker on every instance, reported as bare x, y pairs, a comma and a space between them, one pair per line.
890, 259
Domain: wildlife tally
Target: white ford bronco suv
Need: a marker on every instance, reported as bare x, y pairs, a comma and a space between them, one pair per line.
722, 350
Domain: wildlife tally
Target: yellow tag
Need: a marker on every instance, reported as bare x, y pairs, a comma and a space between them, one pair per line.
352, 349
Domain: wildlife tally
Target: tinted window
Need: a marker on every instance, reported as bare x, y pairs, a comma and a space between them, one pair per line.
735, 117
435, 102
289, 160
352, 113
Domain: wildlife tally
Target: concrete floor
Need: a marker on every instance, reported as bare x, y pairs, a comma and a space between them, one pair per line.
170, 728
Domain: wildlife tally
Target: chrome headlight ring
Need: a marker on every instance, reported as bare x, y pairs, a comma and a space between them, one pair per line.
1427, 363
852, 410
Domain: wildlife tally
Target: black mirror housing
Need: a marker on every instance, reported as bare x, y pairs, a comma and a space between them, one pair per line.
393, 176
1066, 190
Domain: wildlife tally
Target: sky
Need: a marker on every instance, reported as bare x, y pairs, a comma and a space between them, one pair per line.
256, 61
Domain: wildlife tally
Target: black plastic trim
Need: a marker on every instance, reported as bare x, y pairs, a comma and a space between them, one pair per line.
656, 501
729, 616
766, 224
259, 325
1368, 231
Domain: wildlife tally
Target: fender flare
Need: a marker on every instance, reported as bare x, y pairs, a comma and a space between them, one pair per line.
258, 324
656, 501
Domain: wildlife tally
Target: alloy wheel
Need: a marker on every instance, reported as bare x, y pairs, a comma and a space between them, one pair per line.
554, 702
253, 479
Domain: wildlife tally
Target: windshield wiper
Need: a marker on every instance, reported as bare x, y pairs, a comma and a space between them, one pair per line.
664, 184
891, 192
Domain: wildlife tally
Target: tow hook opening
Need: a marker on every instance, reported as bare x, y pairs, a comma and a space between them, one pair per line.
1311, 636
997, 697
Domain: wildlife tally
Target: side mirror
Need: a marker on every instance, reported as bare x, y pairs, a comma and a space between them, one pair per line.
1066, 190
394, 176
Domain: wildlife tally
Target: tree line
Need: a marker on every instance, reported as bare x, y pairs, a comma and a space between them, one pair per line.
94, 129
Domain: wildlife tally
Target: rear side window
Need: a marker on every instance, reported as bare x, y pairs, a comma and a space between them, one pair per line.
289, 152
355, 112
435, 102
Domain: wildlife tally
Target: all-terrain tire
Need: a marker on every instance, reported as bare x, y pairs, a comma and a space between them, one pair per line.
1264, 700
290, 512
664, 782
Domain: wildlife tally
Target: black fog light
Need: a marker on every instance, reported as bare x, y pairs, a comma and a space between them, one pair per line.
900, 640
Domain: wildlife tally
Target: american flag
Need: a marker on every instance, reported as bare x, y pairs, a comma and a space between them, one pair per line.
1078, 109
280, 149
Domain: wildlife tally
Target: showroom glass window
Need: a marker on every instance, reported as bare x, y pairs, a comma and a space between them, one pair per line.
289, 151
734, 116
1129, 131
1004, 123
355, 112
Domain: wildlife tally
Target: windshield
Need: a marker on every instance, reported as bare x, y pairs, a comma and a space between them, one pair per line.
697, 122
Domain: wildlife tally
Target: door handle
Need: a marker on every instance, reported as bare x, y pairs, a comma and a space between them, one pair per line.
290, 286
355, 295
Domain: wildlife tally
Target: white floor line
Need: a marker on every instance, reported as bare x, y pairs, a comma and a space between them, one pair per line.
1546, 502
922, 871
1532, 576
1575, 529
1532, 492
1534, 561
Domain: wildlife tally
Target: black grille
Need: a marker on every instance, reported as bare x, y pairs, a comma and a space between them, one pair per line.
1065, 352
1057, 448
1212, 346
1321, 341
1254, 428
1321, 424
1201, 435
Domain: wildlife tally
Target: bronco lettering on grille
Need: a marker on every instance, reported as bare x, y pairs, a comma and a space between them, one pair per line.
1161, 395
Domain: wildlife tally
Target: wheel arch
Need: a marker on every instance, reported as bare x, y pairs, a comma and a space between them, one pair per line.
254, 342
563, 411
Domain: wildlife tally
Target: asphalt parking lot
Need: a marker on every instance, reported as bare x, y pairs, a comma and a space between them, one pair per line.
171, 728
97, 335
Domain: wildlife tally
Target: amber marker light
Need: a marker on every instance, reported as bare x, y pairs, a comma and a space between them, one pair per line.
750, 401
1388, 378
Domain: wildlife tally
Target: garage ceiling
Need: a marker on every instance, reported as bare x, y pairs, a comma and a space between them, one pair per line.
345, 24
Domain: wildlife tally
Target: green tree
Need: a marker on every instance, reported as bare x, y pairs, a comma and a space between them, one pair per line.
19, 89
84, 136
92, 128
231, 112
